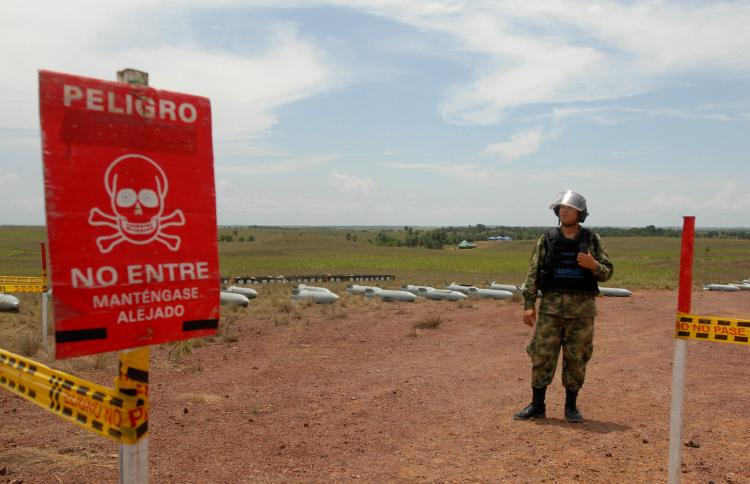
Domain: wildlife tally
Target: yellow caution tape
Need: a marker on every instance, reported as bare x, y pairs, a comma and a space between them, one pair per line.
23, 284
114, 414
132, 381
712, 328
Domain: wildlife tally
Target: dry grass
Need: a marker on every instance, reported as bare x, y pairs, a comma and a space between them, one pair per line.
54, 464
283, 306
30, 343
207, 398
430, 322
21, 332
336, 314
465, 304
258, 408
179, 350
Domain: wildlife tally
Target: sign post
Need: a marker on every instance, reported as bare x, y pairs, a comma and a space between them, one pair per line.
133, 459
680, 351
133, 381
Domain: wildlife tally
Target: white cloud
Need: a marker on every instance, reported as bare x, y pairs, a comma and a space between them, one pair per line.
8, 180
245, 90
19, 204
559, 51
351, 183
246, 86
612, 114
278, 166
522, 143
728, 197
458, 171
635, 152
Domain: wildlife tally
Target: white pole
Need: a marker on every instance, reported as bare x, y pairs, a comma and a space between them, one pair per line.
684, 298
675, 418
134, 462
134, 458
44, 320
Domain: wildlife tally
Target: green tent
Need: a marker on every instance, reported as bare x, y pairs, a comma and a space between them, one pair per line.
466, 245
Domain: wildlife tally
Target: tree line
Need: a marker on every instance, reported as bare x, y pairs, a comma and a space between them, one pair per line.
440, 237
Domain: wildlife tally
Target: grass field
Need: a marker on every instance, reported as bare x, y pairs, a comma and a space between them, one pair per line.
640, 262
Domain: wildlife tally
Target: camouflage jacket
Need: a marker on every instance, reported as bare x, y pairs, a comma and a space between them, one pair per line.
566, 305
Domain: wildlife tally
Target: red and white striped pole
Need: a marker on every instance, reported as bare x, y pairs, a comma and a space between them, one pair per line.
680, 351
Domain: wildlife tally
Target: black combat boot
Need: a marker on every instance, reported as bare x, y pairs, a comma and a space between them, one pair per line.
536, 408
571, 411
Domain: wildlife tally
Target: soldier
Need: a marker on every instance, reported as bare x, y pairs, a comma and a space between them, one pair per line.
565, 266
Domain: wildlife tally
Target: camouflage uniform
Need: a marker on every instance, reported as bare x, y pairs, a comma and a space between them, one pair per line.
565, 320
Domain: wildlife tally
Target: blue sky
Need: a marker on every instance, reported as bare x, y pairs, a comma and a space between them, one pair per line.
418, 113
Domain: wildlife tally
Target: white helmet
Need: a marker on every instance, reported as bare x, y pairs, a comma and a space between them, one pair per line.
571, 199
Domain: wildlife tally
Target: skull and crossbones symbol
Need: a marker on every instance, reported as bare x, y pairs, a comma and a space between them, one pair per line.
137, 188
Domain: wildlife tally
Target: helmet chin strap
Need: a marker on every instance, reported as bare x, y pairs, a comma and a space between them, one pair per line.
559, 223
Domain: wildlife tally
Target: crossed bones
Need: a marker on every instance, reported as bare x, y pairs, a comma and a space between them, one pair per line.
107, 242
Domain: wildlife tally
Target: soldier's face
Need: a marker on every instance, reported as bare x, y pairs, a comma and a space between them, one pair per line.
568, 215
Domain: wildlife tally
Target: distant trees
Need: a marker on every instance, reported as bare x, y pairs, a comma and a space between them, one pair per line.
724, 234
440, 237
230, 238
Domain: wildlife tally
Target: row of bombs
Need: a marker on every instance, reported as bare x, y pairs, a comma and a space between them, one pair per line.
743, 285
240, 296
408, 293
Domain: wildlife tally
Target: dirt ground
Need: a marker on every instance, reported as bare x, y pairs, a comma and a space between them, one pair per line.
356, 393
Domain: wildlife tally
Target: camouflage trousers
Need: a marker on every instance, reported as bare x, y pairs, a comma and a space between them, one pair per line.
576, 338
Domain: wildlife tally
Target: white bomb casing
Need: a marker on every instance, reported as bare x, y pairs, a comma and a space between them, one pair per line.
9, 303
442, 295
234, 299
316, 296
389, 295
614, 292
245, 291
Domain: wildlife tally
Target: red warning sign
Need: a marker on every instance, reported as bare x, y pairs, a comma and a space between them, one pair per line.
131, 214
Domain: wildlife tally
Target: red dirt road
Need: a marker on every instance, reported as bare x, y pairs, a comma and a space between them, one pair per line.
353, 394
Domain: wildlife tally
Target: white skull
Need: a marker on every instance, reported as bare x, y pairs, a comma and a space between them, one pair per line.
137, 187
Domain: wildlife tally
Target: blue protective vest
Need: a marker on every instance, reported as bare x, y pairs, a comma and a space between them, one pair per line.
560, 270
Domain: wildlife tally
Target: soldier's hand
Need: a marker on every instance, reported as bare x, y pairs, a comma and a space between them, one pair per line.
587, 261
529, 317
